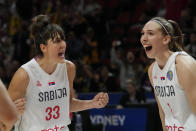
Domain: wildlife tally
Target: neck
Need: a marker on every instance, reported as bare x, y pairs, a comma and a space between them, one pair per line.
47, 65
162, 59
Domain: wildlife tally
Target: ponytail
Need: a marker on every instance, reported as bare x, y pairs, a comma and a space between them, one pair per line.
171, 28
176, 38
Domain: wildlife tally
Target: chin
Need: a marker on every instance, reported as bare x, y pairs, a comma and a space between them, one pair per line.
62, 60
150, 56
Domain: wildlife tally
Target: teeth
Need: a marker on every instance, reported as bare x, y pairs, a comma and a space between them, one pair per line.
147, 46
62, 55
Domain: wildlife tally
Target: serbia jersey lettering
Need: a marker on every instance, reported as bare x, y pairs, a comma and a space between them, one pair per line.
47, 96
172, 98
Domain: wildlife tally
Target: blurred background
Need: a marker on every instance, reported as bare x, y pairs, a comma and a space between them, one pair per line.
103, 40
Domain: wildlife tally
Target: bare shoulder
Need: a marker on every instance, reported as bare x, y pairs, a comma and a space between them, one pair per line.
70, 65
18, 84
185, 63
21, 74
186, 68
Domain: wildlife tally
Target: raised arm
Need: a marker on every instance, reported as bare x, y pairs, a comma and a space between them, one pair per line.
99, 101
8, 114
161, 113
186, 71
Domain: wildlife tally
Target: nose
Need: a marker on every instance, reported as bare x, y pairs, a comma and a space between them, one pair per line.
63, 44
143, 39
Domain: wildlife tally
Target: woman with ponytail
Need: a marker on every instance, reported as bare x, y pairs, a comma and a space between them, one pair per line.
172, 74
42, 88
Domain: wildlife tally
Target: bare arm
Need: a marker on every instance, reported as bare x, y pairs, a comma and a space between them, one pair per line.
99, 101
8, 114
17, 89
186, 71
18, 85
161, 113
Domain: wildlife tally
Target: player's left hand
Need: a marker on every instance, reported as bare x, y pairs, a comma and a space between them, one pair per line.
100, 100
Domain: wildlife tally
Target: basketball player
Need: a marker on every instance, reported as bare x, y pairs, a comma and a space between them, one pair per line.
8, 114
172, 74
46, 83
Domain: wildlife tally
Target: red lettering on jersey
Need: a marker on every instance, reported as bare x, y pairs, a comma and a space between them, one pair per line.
172, 128
180, 128
170, 108
52, 113
56, 128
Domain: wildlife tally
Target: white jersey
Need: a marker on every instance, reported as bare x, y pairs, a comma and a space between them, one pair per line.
172, 98
47, 96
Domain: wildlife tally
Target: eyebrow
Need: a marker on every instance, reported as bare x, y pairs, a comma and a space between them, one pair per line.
147, 30
150, 30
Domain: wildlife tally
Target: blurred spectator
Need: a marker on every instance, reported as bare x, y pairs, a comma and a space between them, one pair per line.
174, 9
129, 69
145, 83
90, 48
95, 84
145, 9
2, 66
191, 47
108, 80
74, 47
91, 8
24, 8
132, 96
21, 45
83, 76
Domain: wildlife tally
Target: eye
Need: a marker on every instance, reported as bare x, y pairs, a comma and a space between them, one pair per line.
150, 33
57, 41
142, 33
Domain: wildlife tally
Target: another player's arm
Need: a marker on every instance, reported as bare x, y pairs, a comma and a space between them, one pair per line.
99, 101
161, 113
186, 71
17, 89
8, 113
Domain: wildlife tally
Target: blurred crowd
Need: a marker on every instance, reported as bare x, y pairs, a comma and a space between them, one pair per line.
102, 36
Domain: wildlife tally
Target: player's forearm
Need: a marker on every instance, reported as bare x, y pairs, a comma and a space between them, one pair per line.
79, 105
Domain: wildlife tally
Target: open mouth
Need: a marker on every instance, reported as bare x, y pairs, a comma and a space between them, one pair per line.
148, 48
61, 54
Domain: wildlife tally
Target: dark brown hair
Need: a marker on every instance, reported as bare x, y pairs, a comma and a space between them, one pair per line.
42, 30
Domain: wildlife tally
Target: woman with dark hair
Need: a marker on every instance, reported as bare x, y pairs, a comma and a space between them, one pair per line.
172, 74
46, 83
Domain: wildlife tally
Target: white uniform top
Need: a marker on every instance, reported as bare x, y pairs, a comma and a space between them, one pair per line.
172, 98
47, 99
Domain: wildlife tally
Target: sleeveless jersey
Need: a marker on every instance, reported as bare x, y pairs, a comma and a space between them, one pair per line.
47, 99
172, 98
